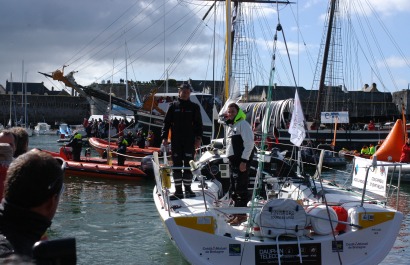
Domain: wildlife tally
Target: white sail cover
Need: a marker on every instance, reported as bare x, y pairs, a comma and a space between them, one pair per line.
282, 217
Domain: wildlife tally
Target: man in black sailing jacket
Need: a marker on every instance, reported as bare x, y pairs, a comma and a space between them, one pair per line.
76, 143
184, 120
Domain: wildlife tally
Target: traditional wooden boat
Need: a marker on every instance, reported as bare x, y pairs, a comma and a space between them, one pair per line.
101, 146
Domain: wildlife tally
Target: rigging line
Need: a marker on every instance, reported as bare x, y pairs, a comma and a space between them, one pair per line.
96, 37
181, 21
213, 47
64, 88
369, 49
381, 53
159, 35
182, 50
108, 43
265, 128
300, 34
259, 13
388, 33
110, 40
287, 52
285, 69
278, 55
265, 27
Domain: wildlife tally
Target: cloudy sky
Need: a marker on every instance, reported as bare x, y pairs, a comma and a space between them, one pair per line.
94, 37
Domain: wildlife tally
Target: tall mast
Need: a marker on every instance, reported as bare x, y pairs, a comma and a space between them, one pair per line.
25, 102
230, 34
228, 47
22, 85
324, 65
126, 72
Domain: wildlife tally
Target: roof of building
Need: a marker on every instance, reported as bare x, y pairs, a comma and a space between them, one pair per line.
32, 88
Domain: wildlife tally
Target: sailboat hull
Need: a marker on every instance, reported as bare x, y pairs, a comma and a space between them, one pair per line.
204, 237
288, 226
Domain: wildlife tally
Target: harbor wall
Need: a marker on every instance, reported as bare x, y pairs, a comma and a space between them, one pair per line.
44, 108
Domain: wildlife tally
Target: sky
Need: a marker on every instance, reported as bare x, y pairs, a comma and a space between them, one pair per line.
95, 38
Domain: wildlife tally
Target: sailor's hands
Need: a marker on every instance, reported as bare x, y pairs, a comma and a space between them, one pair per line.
242, 167
198, 142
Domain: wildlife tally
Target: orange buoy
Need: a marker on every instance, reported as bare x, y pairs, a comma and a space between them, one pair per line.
391, 147
341, 216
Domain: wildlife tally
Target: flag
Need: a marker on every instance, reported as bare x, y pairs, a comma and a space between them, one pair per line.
297, 123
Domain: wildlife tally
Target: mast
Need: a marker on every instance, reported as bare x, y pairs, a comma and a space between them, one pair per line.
324, 65
25, 102
11, 98
230, 35
228, 47
166, 82
126, 72
22, 85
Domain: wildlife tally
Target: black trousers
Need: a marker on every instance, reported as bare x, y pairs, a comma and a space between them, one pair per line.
120, 159
239, 182
182, 158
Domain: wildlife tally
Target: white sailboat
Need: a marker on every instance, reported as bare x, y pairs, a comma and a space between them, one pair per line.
291, 219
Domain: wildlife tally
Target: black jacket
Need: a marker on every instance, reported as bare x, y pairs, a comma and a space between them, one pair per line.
21, 227
185, 120
76, 144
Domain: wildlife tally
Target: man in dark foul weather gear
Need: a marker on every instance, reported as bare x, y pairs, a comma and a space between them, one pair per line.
76, 143
184, 120
122, 149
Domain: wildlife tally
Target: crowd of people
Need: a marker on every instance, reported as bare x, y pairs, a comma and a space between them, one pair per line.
100, 128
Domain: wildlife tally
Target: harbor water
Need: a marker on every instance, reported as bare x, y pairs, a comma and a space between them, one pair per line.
116, 222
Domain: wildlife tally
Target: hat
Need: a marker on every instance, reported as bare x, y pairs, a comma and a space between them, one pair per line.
185, 86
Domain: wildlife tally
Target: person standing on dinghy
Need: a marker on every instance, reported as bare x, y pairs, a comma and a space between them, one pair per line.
184, 120
239, 149
76, 143
122, 150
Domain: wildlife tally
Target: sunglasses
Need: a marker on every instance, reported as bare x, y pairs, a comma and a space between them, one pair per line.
54, 185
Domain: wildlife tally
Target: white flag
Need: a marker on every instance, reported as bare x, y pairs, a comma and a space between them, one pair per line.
297, 124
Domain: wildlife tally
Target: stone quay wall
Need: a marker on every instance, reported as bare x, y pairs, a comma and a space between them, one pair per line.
44, 108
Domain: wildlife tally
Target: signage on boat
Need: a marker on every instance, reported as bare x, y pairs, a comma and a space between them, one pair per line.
289, 254
333, 117
217, 250
376, 179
